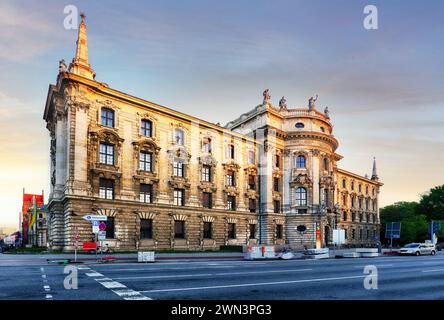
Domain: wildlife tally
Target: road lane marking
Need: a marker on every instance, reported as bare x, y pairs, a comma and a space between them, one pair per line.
376, 265
211, 274
94, 274
118, 288
46, 287
433, 270
254, 284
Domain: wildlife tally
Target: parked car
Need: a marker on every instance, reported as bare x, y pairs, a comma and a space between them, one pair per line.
418, 249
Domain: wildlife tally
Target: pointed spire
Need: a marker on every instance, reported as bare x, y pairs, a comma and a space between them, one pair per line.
374, 173
80, 64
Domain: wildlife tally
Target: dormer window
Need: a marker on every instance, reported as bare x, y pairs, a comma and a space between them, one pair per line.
107, 117
299, 125
179, 137
322, 129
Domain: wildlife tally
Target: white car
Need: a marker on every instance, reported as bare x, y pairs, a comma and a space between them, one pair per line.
418, 249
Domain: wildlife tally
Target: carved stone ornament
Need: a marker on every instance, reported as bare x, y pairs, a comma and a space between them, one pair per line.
207, 160
302, 179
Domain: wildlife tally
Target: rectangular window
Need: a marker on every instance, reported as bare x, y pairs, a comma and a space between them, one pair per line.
206, 173
145, 161
368, 234
146, 128
146, 191
353, 234
107, 117
360, 234
251, 182
208, 230
252, 205
179, 197
276, 184
106, 188
146, 228
106, 153
277, 206
109, 228
252, 231
179, 229
206, 145
231, 201
207, 199
279, 229
345, 233
277, 161
178, 168
231, 151
231, 231
230, 179
251, 157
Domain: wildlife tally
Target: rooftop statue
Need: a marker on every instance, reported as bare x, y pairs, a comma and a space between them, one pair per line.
327, 113
311, 103
282, 104
266, 95
62, 65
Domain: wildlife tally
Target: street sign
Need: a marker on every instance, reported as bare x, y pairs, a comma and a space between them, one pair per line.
102, 226
102, 235
393, 230
90, 217
95, 226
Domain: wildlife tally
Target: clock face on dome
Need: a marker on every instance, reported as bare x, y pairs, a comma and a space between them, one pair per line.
299, 125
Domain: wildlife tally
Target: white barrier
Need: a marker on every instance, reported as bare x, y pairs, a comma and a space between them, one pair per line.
147, 256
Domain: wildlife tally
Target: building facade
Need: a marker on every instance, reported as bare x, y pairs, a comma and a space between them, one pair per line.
165, 179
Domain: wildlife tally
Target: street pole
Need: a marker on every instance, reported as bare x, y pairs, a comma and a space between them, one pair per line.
95, 241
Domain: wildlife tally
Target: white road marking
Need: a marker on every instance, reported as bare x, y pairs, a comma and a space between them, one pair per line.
433, 270
83, 268
48, 296
376, 265
211, 274
94, 274
120, 289
254, 284
46, 287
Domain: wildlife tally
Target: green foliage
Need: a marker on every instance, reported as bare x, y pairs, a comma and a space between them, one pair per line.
432, 204
415, 217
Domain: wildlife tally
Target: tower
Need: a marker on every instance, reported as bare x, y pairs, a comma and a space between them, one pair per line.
80, 63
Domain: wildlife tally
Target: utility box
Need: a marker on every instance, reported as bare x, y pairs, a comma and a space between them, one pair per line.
259, 252
147, 256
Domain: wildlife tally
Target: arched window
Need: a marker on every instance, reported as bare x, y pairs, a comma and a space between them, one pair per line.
301, 196
206, 145
146, 128
345, 216
326, 167
107, 117
344, 183
179, 136
300, 162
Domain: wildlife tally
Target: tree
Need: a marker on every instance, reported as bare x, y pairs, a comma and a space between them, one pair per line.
432, 204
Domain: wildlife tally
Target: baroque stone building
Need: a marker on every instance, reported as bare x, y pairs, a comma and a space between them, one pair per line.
166, 179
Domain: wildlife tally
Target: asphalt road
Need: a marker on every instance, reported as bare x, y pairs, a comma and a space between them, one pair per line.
406, 277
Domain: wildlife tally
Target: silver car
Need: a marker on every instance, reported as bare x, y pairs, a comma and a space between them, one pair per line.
418, 249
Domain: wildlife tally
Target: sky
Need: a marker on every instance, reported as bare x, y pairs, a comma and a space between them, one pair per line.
213, 59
